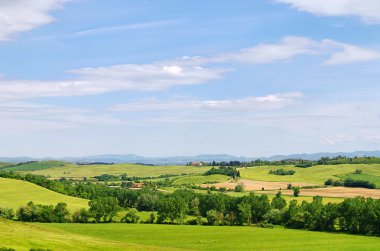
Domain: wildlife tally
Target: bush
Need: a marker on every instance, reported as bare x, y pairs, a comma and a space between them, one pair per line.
359, 183
7, 249
264, 224
239, 187
329, 182
282, 172
7, 213
132, 216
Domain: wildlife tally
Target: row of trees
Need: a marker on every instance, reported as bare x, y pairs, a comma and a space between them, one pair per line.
351, 183
358, 215
300, 162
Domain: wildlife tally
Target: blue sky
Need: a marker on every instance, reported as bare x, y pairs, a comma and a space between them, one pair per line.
176, 77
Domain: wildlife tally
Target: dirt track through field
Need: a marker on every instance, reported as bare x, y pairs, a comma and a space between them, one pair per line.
274, 187
250, 185
345, 192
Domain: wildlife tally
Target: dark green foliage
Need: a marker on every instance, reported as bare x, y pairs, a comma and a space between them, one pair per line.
224, 170
7, 249
358, 183
7, 213
296, 191
132, 216
107, 177
358, 171
81, 216
239, 187
351, 183
214, 217
282, 172
278, 202
43, 213
104, 208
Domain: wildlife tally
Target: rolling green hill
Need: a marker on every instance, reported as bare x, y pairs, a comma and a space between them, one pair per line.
79, 171
315, 174
16, 193
33, 166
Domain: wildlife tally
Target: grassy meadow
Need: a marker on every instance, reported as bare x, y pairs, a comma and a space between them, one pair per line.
315, 174
71, 170
16, 193
23, 237
169, 237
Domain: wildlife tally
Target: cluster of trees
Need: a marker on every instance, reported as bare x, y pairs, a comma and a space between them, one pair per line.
300, 162
351, 183
225, 170
43, 213
282, 172
358, 215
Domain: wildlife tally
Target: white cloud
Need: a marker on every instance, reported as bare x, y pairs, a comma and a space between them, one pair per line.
23, 15
119, 28
289, 47
248, 104
158, 76
90, 81
350, 53
367, 10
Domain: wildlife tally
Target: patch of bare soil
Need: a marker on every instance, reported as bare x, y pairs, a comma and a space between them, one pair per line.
345, 192
251, 185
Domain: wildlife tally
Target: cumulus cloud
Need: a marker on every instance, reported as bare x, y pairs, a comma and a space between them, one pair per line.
367, 10
350, 53
161, 75
90, 81
24, 15
289, 47
269, 102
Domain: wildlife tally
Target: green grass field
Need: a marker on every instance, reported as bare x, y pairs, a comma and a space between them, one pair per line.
199, 179
34, 166
168, 237
314, 174
23, 237
79, 171
16, 193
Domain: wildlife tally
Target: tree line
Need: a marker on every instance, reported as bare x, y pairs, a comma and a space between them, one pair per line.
299, 162
357, 215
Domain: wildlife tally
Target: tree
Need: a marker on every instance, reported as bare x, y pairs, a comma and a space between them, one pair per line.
245, 214
278, 202
239, 187
7, 213
61, 213
132, 216
104, 207
214, 217
81, 216
296, 191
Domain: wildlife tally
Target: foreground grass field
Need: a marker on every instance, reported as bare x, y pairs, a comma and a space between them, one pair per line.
16, 193
169, 237
79, 171
315, 174
23, 237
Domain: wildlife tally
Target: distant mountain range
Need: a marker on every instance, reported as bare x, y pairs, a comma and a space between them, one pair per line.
180, 160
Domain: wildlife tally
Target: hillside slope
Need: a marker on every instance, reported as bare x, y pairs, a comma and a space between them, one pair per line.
16, 193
